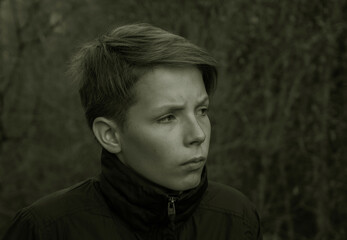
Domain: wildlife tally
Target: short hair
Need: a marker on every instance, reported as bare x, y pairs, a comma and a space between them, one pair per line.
108, 67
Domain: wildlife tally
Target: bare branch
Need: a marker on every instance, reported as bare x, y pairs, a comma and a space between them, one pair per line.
48, 31
7, 83
34, 8
22, 44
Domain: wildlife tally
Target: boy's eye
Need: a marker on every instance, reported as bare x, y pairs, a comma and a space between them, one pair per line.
203, 111
166, 119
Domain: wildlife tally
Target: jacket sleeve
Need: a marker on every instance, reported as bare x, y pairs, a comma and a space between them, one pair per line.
23, 227
254, 223
258, 228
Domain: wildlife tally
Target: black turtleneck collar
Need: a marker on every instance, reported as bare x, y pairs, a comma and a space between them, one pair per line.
142, 204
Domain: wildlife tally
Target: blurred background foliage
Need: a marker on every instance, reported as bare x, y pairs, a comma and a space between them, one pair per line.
279, 120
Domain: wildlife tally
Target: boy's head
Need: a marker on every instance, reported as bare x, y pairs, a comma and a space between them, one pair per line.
108, 67
146, 94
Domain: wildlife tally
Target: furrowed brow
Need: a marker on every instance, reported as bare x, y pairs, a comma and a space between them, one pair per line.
170, 108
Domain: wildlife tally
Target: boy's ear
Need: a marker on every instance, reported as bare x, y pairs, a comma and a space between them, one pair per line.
107, 134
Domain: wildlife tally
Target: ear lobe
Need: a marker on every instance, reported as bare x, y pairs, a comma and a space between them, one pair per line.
107, 134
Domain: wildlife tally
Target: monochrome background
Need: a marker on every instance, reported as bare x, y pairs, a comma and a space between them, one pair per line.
278, 115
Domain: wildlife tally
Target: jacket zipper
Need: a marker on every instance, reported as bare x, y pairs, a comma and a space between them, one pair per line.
171, 211
171, 208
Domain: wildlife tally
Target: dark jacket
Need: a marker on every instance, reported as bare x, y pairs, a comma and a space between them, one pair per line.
120, 204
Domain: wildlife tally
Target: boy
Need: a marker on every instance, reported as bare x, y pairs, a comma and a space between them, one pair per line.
145, 93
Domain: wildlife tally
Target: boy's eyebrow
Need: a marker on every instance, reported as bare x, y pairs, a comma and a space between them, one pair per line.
172, 107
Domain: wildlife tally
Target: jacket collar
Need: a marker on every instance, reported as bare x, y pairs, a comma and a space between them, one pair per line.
140, 202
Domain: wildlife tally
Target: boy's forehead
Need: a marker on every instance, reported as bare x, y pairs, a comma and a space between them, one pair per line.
165, 85
161, 77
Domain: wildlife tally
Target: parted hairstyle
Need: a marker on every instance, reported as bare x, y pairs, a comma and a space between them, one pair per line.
107, 68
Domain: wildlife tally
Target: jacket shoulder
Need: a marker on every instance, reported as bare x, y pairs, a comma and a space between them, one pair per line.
223, 198
57, 212
71, 200
230, 210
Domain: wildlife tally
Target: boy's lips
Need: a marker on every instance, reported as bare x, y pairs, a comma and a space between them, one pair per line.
194, 163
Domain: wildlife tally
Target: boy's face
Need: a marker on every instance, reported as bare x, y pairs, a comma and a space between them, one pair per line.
167, 133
